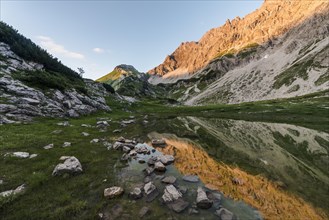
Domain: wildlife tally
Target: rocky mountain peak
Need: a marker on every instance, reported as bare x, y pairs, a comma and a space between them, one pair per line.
124, 68
271, 20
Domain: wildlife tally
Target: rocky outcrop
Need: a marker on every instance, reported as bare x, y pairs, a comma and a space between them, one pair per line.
20, 102
271, 20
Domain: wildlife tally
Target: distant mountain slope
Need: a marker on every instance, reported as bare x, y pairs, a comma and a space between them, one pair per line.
126, 80
273, 19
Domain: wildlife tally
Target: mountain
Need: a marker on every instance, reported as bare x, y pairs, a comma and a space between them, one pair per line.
33, 83
266, 24
126, 80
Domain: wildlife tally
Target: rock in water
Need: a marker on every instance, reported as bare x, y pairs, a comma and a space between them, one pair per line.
167, 159
171, 194
136, 193
113, 191
71, 165
224, 214
202, 200
158, 166
169, 180
149, 188
191, 178
178, 205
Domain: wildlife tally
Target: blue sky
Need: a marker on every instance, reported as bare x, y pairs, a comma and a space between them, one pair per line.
99, 35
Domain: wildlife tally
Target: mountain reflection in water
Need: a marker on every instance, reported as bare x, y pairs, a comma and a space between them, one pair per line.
261, 142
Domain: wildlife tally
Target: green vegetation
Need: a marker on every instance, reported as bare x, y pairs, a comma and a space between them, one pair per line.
29, 51
294, 89
50, 80
322, 79
114, 75
287, 77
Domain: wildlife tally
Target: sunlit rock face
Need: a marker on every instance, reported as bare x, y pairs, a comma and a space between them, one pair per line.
271, 20
268, 196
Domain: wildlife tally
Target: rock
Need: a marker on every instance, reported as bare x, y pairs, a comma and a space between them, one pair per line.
57, 132
171, 194
117, 131
202, 200
167, 159
159, 142
33, 156
142, 150
21, 154
126, 149
152, 160
147, 179
85, 134
141, 161
152, 196
128, 121
178, 205
95, 140
107, 145
113, 192
18, 190
148, 171
149, 188
67, 144
64, 157
71, 166
116, 211
183, 189
136, 193
237, 181
169, 180
117, 145
49, 146
191, 178
158, 166
125, 157
192, 211
102, 123
132, 153
144, 211
85, 125
65, 124
121, 139
1, 182
224, 214
72, 113
215, 197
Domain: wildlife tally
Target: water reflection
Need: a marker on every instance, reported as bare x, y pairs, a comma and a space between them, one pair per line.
282, 167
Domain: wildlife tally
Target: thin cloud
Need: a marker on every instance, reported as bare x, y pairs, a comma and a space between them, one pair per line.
50, 45
98, 50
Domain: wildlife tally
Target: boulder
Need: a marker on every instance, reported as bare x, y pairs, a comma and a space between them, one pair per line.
132, 153
224, 214
171, 194
136, 193
191, 178
202, 200
21, 154
158, 166
169, 180
159, 142
117, 145
67, 144
143, 150
18, 190
113, 192
152, 160
71, 166
49, 146
149, 188
178, 205
95, 140
167, 159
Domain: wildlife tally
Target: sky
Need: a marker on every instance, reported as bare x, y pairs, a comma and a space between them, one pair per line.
99, 35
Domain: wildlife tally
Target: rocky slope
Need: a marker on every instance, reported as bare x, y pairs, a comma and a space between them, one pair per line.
21, 102
271, 20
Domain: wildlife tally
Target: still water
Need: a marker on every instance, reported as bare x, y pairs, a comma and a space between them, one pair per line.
282, 169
